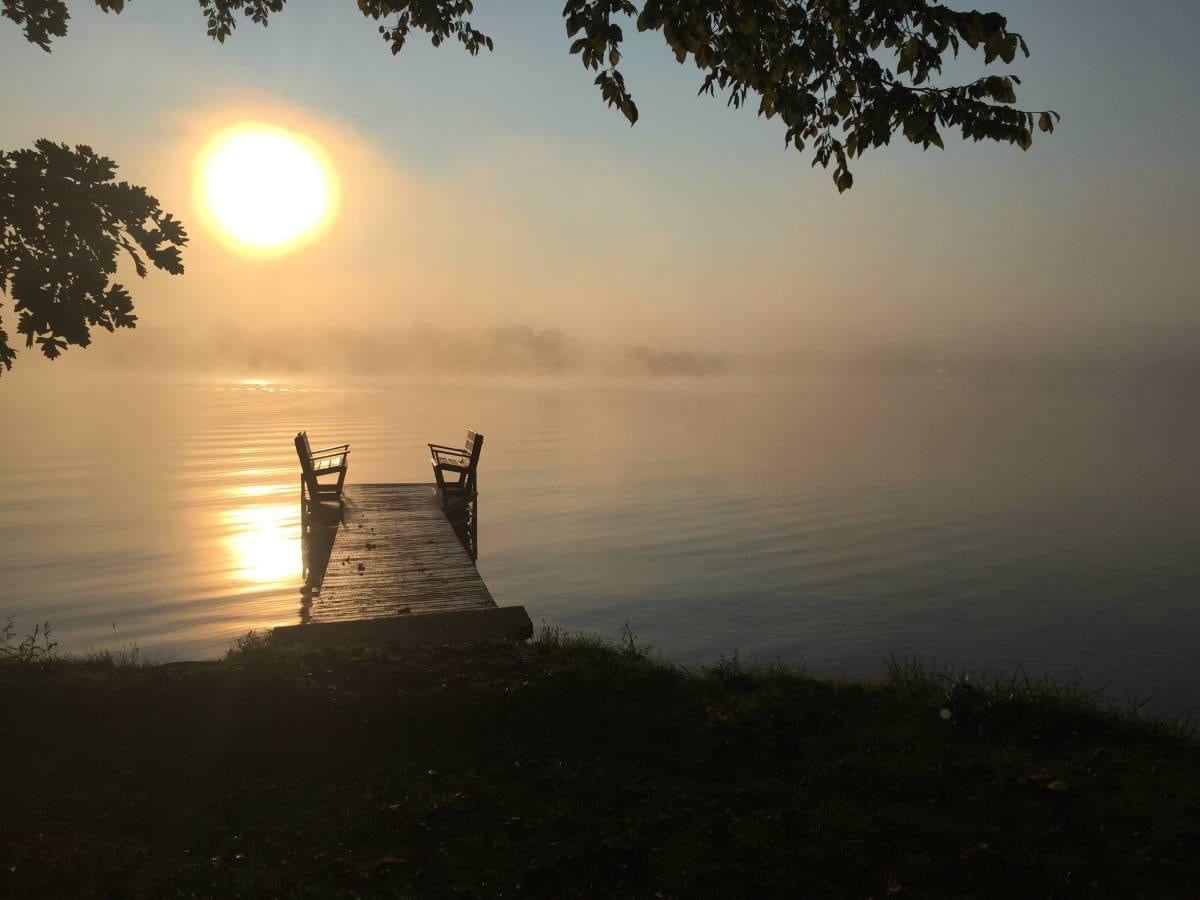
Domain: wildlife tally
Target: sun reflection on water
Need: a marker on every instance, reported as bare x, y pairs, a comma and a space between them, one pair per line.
260, 490
264, 543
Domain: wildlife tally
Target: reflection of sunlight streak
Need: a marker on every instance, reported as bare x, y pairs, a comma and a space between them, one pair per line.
259, 490
264, 542
257, 473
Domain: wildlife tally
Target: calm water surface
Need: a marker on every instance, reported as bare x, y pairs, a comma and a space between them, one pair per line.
828, 523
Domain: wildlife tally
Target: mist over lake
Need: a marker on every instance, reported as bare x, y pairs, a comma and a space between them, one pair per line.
991, 524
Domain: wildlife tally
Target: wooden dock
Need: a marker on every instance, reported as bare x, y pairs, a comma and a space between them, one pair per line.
396, 569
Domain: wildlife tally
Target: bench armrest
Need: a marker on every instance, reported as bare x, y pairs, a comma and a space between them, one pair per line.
452, 461
340, 448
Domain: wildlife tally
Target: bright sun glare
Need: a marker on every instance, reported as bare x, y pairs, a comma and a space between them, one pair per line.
264, 189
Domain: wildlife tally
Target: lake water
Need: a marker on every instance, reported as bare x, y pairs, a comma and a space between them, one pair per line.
988, 525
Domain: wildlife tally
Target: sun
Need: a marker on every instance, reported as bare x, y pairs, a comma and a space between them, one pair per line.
265, 190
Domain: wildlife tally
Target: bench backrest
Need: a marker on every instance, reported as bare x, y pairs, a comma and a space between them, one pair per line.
304, 451
472, 448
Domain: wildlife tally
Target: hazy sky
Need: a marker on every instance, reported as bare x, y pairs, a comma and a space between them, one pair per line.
500, 190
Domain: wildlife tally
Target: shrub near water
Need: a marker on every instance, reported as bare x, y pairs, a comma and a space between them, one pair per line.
567, 767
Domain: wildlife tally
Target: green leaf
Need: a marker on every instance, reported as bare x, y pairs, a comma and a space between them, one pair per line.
631, 111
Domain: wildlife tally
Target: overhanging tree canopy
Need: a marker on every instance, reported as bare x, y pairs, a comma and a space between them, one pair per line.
64, 221
842, 76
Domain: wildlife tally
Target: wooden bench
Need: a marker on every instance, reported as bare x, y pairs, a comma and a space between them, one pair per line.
455, 469
316, 464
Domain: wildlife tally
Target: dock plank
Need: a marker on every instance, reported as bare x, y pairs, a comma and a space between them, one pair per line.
394, 554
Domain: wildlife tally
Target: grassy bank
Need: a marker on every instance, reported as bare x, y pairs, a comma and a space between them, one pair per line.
568, 768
